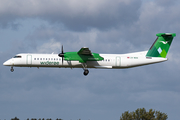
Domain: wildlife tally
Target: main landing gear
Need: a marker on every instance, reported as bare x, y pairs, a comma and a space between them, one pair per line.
86, 71
12, 69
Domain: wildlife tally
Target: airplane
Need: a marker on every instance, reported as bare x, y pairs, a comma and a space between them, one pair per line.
85, 59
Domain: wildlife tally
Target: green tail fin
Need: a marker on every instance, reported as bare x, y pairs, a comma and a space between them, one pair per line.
161, 45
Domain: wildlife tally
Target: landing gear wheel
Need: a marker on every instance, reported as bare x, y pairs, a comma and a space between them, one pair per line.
12, 70
86, 72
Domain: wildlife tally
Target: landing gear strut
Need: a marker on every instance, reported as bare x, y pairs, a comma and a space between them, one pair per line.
86, 71
12, 69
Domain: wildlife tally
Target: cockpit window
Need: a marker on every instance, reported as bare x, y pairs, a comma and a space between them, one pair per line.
17, 56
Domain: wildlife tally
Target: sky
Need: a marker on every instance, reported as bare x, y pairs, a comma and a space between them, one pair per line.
105, 26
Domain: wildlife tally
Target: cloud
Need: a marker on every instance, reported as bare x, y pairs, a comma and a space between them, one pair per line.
74, 15
51, 46
110, 41
156, 97
157, 16
104, 26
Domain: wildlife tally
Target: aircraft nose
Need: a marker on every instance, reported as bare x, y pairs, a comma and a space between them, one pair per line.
7, 63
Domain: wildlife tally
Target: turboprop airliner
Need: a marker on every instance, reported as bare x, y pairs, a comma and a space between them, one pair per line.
85, 59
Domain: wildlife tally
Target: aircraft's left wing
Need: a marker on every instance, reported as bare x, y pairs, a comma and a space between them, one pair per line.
83, 55
84, 51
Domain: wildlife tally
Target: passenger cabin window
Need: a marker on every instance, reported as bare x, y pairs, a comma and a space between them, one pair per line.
17, 56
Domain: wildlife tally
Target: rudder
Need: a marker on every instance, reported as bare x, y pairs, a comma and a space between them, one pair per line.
161, 45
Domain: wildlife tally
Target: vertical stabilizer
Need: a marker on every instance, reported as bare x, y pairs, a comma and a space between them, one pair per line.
161, 45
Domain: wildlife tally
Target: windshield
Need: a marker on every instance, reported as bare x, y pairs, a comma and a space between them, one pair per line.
17, 56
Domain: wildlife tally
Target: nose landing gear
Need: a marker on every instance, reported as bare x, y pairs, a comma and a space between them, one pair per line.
12, 69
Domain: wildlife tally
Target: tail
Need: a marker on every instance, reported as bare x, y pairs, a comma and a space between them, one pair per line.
161, 45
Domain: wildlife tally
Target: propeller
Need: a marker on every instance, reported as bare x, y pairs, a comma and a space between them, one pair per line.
61, 54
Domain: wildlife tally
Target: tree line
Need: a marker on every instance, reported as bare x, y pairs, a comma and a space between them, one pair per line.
139, 114
35, 119
142, 114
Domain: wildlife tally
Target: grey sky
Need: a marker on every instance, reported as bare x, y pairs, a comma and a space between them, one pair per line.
104, 26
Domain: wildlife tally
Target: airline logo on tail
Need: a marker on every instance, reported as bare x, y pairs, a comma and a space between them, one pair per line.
164, 42
158, 49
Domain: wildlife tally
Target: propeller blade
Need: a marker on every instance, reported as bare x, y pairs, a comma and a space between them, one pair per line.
62, 50
61, 54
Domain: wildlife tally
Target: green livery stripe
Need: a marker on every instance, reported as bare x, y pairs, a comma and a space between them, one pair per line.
74, 56
161, 45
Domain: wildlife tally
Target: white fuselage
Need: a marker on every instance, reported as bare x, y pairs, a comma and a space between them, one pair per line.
114, 61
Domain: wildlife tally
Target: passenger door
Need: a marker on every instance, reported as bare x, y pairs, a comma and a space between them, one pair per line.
118, 61
29, 59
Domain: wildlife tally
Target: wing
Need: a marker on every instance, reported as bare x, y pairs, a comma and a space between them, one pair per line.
83, 55
84, 51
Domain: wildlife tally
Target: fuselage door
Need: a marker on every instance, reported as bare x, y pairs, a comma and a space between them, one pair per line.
118, 61
29, 59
